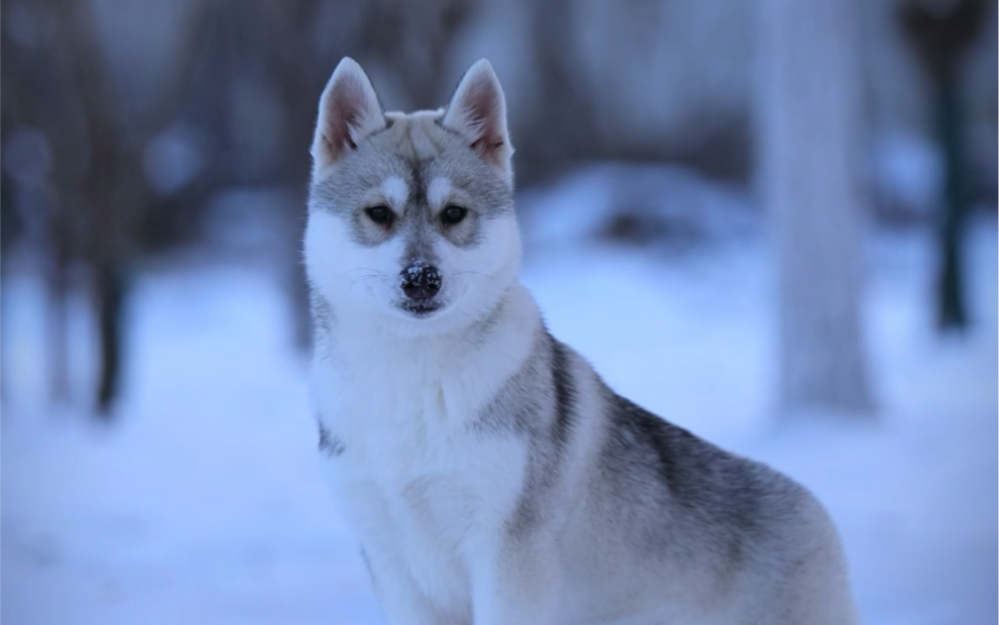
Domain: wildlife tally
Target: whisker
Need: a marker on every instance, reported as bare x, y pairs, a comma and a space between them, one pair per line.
372, 269
356, 280
476, 273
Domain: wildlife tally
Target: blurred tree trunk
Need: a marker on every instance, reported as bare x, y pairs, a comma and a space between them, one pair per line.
810, 123
112, 192
58, 336
941, 31
566, 115
951, 308
300, 78
34, 88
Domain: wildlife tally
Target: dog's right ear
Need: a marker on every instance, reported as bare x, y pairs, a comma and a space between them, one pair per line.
348, 111
478, 111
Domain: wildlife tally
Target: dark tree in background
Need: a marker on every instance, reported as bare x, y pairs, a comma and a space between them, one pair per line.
60, 87
941, 33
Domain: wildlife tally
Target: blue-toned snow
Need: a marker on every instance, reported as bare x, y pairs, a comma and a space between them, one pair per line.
204, 503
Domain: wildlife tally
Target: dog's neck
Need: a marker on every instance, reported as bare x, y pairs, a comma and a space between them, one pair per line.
385, 375
508, 329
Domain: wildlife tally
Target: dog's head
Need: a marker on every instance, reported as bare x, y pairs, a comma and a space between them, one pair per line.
411, 215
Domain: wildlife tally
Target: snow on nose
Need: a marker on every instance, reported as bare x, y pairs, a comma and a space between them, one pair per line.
420, 281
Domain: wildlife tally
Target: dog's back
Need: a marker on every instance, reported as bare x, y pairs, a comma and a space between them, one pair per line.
654, 524
737, 541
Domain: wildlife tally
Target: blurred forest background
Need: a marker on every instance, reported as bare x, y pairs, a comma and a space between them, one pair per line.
132, 130
739, 210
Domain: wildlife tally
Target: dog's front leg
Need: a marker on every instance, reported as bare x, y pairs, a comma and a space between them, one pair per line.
519, 585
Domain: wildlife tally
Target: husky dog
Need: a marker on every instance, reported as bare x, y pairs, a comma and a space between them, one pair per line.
492, 476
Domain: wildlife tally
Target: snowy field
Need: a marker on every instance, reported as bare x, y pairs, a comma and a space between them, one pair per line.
204, 502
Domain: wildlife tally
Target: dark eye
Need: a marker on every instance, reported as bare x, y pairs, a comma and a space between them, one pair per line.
453, 214
381, 215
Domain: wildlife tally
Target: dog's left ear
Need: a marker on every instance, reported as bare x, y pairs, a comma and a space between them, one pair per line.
478, 111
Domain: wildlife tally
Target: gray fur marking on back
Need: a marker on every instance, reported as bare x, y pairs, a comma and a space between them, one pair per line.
731, 503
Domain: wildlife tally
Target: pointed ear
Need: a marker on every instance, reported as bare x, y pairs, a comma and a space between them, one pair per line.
348, 112
478, 111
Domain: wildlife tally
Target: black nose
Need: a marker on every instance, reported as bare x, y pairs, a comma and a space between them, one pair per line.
421, 281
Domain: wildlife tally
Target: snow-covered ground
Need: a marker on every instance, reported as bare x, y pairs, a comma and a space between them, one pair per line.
203, 503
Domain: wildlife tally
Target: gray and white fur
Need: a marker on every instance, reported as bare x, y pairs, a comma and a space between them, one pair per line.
492, 477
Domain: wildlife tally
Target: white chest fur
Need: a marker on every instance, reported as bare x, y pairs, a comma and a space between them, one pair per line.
420, 480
